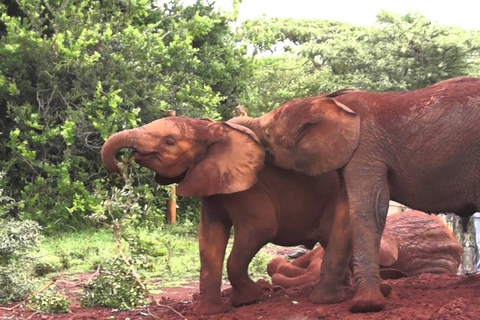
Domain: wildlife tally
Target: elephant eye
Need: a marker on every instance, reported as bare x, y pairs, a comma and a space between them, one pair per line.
169, 141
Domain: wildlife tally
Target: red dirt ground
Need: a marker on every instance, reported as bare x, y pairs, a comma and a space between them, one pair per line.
426, 296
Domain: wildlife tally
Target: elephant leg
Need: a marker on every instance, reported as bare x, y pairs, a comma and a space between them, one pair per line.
279, 265
334, 269
279, 279
214, 232
368, 215
245, 246
290, 270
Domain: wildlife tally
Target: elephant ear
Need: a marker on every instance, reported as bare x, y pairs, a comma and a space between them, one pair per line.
231, 163
388, 253
329, 138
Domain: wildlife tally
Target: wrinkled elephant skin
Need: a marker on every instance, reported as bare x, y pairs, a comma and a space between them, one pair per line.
419, 148
413, 242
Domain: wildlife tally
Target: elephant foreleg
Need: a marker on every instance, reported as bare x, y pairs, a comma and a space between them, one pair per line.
334, 270
368, 215
214, 232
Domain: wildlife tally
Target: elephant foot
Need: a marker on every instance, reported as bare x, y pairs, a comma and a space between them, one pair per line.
246, 295
204, 308
323, 295
369, 299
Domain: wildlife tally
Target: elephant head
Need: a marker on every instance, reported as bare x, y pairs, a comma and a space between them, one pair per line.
310, 135
203, 156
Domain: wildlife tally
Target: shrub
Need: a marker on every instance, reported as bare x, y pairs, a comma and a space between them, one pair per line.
18, 242
115, 287
15, 283
50, 301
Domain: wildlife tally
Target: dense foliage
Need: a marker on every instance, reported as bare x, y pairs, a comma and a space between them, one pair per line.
72, 73
311, 56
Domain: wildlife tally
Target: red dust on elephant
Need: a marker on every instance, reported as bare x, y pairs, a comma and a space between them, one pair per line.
420, 148
223, 163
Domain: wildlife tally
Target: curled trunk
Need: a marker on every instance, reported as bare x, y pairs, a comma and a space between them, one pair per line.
124, 139
250, 123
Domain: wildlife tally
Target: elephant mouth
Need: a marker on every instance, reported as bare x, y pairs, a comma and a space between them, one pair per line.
145, 158
169, 180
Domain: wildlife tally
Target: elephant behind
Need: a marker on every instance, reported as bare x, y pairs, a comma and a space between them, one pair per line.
413, 243
223, 164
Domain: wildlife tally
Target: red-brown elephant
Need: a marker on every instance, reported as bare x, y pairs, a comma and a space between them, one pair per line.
413, 242
420, 148
222, 164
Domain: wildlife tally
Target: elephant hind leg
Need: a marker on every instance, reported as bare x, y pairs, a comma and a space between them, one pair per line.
334, 272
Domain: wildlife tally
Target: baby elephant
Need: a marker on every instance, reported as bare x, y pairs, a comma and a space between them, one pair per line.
413, 242
224, 165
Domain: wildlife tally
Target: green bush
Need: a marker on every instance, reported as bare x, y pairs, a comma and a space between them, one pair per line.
50, 301
114, 287
16, 283
18, 243
71, 75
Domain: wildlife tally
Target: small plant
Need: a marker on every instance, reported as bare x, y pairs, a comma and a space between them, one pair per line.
50, 301
118, 283
115, 286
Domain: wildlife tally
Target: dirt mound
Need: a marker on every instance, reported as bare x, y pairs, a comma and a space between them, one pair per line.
426, 296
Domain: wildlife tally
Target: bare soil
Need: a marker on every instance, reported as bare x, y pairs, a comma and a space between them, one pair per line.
426, 296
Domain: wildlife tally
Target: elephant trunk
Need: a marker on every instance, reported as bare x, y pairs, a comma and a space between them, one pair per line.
123, 139
250, 123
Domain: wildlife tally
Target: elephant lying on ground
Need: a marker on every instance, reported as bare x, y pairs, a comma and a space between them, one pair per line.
413, 242
420, 148
222, 163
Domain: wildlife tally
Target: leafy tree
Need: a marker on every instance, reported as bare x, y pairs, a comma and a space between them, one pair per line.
73, 72
105, 66
400, 53
304, 57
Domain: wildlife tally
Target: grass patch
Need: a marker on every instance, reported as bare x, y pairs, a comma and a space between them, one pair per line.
77, 252
168, 256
